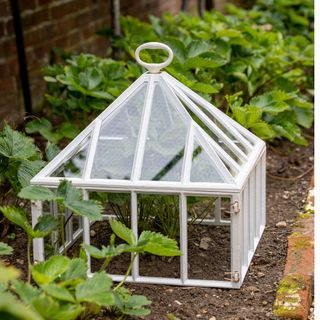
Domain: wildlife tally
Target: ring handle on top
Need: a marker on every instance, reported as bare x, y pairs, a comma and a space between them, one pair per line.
154, 67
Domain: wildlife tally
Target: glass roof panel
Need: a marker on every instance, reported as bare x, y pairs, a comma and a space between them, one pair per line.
202, 168
166, 138
73, 167
118, 138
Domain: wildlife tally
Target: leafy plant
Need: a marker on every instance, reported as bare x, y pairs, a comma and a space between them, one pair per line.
223, 55
62, 288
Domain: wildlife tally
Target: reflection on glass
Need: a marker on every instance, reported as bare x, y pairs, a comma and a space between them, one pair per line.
74, 166
165, 143
202, 168
117, 140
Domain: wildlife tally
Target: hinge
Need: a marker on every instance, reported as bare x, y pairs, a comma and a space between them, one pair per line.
234, 276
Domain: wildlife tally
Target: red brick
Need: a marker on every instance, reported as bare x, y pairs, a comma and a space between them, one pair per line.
9, 68
6, 85
35, 18
8, 48
5, 8
27, 5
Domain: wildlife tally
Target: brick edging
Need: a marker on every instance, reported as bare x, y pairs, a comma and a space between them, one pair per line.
294, 294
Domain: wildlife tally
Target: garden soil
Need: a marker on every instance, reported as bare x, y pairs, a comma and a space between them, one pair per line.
286, 197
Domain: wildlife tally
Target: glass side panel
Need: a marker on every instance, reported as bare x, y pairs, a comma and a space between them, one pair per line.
165, 143
73, 167
118, 138
202, 167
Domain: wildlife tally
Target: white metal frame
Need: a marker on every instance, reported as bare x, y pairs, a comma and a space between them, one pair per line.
244, 179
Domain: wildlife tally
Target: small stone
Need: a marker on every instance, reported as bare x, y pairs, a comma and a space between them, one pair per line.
92, 233
227, 304
20, 261
198, 316
253, 289
169, 290
204, 243
281, 224
178, 302
264, 302
286, 195
260, 274
213, 318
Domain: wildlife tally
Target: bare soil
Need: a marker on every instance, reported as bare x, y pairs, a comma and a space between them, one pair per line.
286, 197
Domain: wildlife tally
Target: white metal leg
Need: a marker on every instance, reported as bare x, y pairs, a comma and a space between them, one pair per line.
134, 228
38, 243
183, 238
86, 232
236, 236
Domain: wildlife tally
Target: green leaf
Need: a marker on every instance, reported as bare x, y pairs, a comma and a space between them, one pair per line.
77, 269
58, 292
25, 291
67, 130
12, 309
51, 150
101, 95
37, 193
96, 290
18, 216
72, 200
304, 117
158, 244
263, 130
8, 273
48, 271
28, 169
50, 309
206, 88
122, 231
208, 60
45, 225
196, 47
5, 249
16, 145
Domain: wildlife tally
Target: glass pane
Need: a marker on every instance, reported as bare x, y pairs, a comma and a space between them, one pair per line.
202, 168
118, 138
74, 166
165, 143
213, 135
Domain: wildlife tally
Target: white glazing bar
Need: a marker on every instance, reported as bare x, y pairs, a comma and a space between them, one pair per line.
176, 103
253, 212
38, 243
144, 126
217, 210
263, 192
229, 123
236, 235
143, 185
187, 159
245, 217
54, 234
125, 95
63, 155
183, 238
258, 198
86, 232
219, 165
134, 228
235, 166
211, 125
92, 149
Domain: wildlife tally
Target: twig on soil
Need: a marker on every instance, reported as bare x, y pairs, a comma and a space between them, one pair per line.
290, 178
275, 150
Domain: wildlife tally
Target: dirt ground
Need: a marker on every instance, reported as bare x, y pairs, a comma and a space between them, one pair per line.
285, 199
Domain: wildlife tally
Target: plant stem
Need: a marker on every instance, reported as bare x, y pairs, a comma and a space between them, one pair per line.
127, 273
105, 264
29, 259
62, 234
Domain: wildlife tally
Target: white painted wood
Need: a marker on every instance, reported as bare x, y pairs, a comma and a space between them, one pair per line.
86, 232
252, 209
